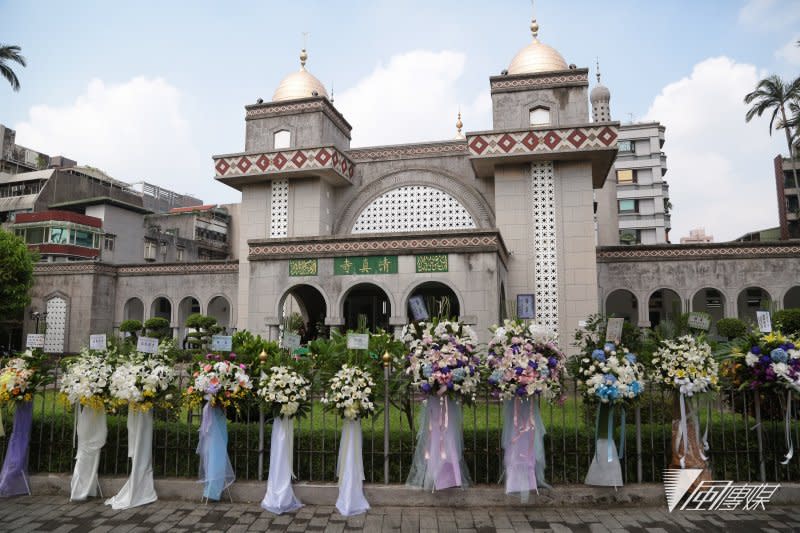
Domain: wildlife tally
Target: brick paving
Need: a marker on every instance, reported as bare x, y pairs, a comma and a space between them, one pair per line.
57, 514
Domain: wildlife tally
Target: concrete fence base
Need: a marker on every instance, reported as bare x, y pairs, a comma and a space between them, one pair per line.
640, 494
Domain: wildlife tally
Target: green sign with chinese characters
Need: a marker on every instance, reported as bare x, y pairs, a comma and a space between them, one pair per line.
360, 266
431, 263
302, 267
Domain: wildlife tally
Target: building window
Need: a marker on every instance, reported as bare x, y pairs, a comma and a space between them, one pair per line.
626, 176
34, 235
625, 146
282, 139
108, 243
59, 235
179, 254
150, 250
540, 116
788, 180
630, 236
83, 238
628, 206
792, 203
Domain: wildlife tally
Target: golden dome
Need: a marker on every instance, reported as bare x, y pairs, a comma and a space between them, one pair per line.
300, 84
537, 57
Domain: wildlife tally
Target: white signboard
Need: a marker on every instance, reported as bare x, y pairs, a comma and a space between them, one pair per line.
35, 340
358, 341
97, 342
147, 345
221, 343
614, 330
699, 321
418, 309
526, 306
764, 321
290, 341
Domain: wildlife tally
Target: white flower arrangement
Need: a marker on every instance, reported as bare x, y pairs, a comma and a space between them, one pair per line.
687, 365
285, 391
351, 393
442, 358
142, 381
87, 379
611, 375
524, 361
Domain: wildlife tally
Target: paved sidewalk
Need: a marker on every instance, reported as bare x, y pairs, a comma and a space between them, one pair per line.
56, 513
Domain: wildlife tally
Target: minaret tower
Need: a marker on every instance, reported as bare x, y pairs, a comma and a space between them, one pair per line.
600, 98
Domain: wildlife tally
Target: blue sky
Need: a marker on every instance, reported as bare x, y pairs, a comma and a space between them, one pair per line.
151, 90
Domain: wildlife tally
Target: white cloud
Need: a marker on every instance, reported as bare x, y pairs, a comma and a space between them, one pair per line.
790, 52
767, 15
133, 131
719, 167
413, 98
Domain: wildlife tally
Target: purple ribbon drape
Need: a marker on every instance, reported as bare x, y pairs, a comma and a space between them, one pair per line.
14, 475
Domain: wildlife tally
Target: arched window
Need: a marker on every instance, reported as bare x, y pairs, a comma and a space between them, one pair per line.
540, 116
413, 208
282, 139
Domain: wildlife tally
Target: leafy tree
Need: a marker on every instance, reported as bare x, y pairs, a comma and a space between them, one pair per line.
773, 95
787, 321
9, 54
204, 327
16, 275
157, 327
131, 326
732, 328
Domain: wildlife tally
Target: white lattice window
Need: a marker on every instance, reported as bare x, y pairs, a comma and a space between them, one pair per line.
56, 325
413, 208
279, 212
544, 243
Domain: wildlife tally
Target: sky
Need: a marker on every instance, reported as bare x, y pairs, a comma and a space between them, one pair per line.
151, 90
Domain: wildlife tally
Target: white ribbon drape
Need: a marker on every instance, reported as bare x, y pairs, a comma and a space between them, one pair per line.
280, 497
788, 429
139, 489
91, 430
350, 469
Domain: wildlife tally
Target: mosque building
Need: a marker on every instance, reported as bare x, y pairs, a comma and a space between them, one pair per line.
483, 226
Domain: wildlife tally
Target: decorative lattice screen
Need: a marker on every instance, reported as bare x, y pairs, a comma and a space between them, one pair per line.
544, 243
279, 212
413, 208
56, 325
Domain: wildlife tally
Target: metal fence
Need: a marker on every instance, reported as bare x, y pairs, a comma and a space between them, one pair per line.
746, 437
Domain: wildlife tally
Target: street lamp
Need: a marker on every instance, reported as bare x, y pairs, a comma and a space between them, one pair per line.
36, 315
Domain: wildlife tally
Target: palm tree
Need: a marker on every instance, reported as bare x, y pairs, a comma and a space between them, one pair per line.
772, 94
9, 53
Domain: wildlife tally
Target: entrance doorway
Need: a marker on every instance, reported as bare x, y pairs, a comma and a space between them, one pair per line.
440, 300
309, 303
370, 302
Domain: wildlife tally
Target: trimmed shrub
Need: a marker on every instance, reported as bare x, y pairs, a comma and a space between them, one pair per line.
731, 328
787, 321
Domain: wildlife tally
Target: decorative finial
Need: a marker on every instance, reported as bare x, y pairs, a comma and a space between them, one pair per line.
331, 92
303, 54
534, 24
459, 124
597, 59
387, 358
262, 356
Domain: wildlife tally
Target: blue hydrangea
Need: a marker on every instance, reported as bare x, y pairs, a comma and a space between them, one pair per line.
459, 374
610, 347
636, 387
779, 355
599, 355
631, 357
427, 370
496, 376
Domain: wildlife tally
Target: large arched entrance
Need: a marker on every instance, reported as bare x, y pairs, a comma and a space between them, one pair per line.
440, 300
791, 300
664, 304
370, 302
309, 303
622, 303
161, 307
710, 301
750, 300
220, 308
133, 310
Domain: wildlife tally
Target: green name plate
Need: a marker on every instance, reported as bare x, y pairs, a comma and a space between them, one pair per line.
302, 267
431, 263
361, 266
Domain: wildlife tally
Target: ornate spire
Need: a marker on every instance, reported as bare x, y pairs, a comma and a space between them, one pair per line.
459, 125
303, 54
597, 59
534, 24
